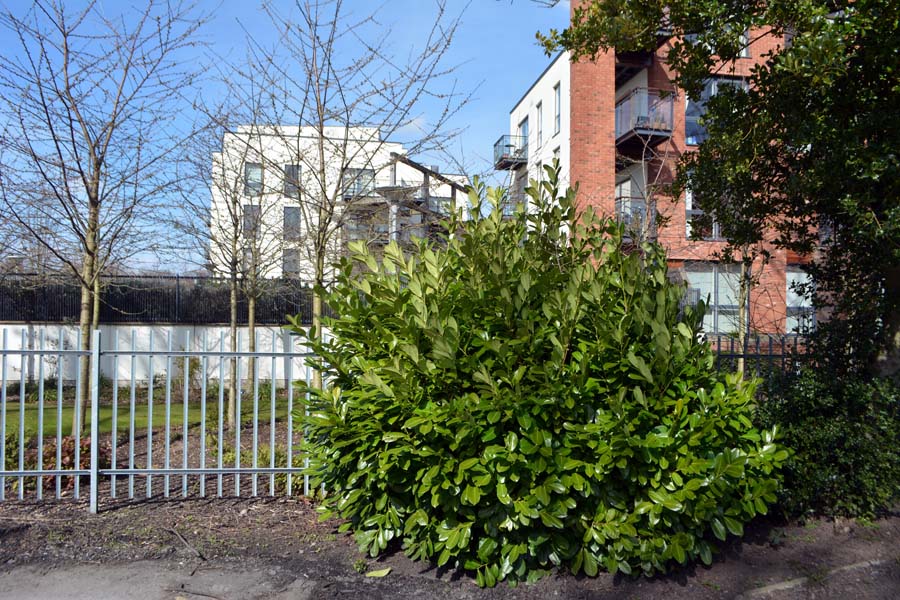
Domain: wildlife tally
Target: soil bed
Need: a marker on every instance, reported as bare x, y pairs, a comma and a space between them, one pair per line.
282, 542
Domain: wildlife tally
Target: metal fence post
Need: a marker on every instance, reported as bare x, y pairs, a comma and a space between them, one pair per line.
95, 419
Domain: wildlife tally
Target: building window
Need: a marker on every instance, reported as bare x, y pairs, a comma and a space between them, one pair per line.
557, 108
290, 262
516, 197
631, 208
440, 205
719, 286
358, 182
745, 44
801, 317
251, 221
694, 229
292, 224
253, 179
695, 108
522, 132
540, 124
556, 153
291, 181
355, 227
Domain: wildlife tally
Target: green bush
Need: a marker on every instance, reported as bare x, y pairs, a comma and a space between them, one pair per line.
844, 433
523, 399
67, 458
11, 448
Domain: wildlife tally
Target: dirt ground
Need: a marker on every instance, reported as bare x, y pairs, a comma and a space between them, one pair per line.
277, 548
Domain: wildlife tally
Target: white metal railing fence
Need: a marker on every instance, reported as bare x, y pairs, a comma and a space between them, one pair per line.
141, 433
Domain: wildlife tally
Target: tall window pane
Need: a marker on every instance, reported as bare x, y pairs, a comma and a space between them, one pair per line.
800, 313
290, 262
557, 101
695, 108
253, 179
251, 220
728, 286
291, 181
292, 223
359, 182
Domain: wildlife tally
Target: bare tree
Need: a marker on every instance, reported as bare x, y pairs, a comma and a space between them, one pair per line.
231, 215
90, 105
340, 98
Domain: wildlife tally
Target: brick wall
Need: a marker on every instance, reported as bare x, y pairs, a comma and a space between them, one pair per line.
592, 136
592, 143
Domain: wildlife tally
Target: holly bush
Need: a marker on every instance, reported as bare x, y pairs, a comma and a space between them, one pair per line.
524, 397
843, 433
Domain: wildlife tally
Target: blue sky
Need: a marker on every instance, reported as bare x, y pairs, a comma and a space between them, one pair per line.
495, 49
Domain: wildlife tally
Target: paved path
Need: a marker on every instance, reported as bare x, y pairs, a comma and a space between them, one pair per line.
164, 580
193, 580
146, 580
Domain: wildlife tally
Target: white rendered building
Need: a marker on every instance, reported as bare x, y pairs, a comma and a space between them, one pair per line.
276, 190
539, 131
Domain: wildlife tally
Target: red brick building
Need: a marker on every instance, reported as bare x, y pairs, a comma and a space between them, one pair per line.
618, 126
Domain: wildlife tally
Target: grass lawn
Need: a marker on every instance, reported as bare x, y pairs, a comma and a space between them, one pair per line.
140, 417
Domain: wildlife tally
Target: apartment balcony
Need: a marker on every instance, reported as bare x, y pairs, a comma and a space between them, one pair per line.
644, 119
631, 212
510, 152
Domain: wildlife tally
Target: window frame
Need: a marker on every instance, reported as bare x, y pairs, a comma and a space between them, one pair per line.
291, 182
800, 312
351, 182
251, 232
689, 211
254, 188
285, 252
745, 44
694, 120
714, 308
557, 107
522, 132
540, 124
291, 233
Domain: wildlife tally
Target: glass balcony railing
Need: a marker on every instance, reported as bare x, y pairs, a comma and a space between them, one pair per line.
631, 211
510, 151
645, 113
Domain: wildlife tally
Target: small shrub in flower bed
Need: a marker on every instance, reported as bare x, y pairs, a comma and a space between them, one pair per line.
67, 459
529, 396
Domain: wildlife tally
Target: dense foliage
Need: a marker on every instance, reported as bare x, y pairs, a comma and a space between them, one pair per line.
522, 399
844, 434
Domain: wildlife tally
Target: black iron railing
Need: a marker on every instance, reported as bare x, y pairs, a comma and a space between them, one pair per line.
150, 299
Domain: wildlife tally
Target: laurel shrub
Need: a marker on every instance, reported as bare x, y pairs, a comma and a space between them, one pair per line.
530, 394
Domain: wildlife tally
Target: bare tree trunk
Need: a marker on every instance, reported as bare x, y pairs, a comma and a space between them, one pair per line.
317, 327
84, 365
743, 302
251, 333
232, 377
86, 317
95, 316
